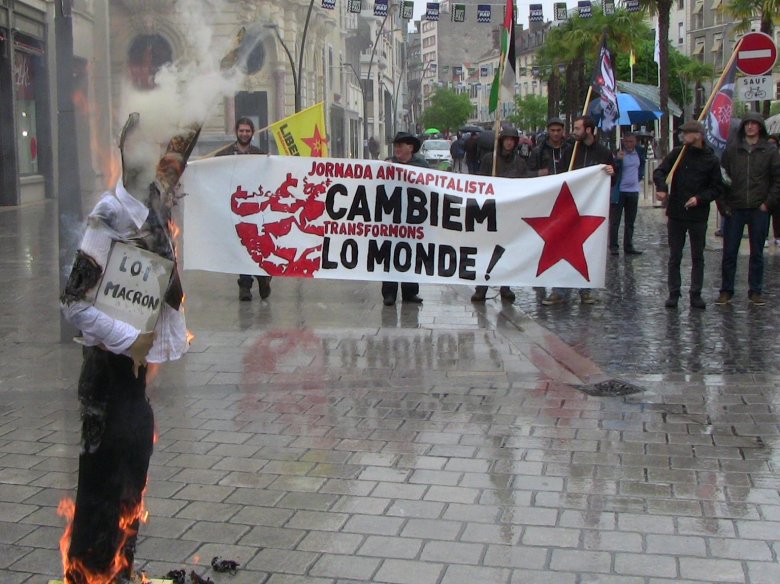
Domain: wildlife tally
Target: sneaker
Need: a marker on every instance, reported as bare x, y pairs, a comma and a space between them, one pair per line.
671, 302
264, 285
552, 299
244, 294
587, 298
723, 299
507, 294
777, 242
756, 299
698, 302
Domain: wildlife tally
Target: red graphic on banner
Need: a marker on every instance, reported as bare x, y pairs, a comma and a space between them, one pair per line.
316, 143
286, 241
564, 233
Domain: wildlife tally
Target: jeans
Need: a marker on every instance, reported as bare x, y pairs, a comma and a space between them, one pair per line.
629, 202
676, 231
757, 222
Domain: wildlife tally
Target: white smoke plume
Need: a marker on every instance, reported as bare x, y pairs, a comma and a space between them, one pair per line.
187, 91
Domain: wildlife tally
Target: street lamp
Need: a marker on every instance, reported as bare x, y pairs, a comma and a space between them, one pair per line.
296, 87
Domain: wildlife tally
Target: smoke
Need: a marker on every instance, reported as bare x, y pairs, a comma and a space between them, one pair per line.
187, 91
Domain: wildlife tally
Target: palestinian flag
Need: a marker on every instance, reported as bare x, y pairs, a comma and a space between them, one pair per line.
505, 74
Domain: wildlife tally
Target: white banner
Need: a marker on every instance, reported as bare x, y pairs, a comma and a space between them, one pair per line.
370, 220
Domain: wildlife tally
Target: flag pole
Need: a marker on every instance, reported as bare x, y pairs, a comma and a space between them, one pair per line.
705, 110
577, 142
496, 127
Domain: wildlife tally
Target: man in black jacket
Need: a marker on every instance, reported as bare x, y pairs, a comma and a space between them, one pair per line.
753, 165
547, 157
589, 152
695, 184
406, 149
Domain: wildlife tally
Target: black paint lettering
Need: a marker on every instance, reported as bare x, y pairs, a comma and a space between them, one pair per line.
416, 212
379, 254
467, 263
388, 204
330, 200
448, 260
402, 257
327, 264
349, 253
425, 258
450, 210
359, 205
475, 213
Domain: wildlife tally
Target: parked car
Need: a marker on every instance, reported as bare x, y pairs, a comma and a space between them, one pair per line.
437, 154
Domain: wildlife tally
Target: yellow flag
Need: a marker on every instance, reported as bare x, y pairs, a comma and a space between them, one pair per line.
302, 134
631, 59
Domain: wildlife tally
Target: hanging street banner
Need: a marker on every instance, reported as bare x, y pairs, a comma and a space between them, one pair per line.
372, 220
329, 4
458, 13
609, 7
407, 9
585, 8
536, 13
432, 11
483, 13
561, 11
380, 7
354, 6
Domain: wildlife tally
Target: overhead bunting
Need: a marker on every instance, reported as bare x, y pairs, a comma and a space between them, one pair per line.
585, 8
536, 13
432, 11
483, 13
458, 13
354, 6
380, 7
407, 9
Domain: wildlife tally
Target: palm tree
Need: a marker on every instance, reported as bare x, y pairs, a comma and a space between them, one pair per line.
662, 9
745, 11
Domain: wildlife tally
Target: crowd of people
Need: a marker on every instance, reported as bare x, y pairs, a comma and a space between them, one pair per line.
744, 183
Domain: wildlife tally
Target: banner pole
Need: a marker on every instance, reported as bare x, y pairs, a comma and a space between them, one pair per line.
705, 110
577, 142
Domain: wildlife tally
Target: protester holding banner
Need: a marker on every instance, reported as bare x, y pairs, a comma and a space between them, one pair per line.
696, 182
753, 165
245, 130
589, 153
405, 151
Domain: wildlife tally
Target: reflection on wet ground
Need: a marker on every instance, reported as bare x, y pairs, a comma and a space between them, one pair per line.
319, 437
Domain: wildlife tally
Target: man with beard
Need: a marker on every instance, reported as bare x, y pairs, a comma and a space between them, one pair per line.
695, 184
547, 157
245, 130
587, 151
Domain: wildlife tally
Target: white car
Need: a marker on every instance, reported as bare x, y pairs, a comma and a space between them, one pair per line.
437, 153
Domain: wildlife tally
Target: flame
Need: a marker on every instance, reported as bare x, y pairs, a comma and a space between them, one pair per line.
175, 233
107, 159
127, 522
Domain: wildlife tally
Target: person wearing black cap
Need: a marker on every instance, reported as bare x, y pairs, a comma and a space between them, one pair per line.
548, 156
753, 165
695, 184
405, 151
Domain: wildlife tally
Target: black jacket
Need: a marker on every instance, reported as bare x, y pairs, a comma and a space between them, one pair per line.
591, 155
545, 156
232, 149
509, 166
754, 173
698, 175
417, 160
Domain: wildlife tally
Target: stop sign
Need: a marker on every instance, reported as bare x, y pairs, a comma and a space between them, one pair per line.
757, 54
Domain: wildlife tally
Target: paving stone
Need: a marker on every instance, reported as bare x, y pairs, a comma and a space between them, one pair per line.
349, 567
456, 574
390, 547
452, 552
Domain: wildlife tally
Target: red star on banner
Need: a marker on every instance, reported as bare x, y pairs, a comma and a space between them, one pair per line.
564, 233
316, 142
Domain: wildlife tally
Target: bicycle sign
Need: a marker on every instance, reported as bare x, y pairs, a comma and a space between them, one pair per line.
754, 88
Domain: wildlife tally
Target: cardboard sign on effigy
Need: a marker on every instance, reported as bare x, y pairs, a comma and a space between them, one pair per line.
133, 286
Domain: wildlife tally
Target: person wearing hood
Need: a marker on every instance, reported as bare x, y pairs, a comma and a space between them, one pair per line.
406, 148
509, 164
695, 184
753, 165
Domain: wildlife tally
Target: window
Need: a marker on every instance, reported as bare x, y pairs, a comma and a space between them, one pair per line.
699, 47
698, 7
149, 52
680, 33
26, 81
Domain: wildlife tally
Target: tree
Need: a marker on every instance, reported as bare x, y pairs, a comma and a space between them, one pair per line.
531, 112
449, 110
662, 8
744, 11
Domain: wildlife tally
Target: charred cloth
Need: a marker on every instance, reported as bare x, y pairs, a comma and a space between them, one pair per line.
224, 566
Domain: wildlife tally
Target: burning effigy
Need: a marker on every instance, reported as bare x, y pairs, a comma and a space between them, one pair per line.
125, 297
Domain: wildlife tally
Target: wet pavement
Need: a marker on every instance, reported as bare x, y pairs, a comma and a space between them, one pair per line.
321, 438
